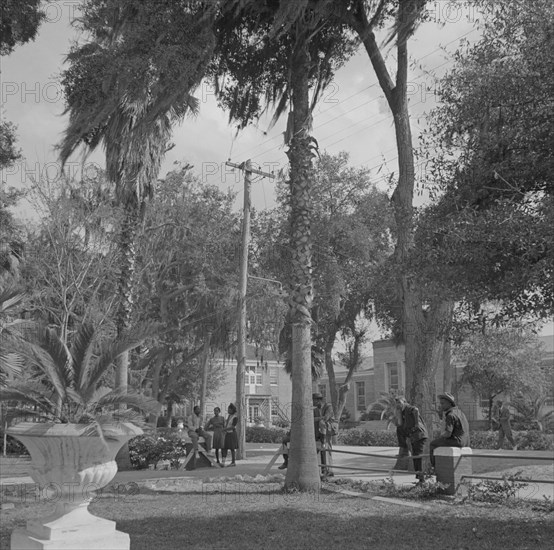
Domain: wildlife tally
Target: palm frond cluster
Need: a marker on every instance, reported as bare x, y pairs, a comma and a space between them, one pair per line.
67, 381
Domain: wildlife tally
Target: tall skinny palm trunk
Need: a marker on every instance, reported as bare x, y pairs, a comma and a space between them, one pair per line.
303, 472
125, 287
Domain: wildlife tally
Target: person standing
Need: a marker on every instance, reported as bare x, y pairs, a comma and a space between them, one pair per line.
323, 416
502, 417
217, 424
231, 441
411, 434
456, 430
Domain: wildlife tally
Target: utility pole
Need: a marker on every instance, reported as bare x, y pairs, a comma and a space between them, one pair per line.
205, 367
243, 280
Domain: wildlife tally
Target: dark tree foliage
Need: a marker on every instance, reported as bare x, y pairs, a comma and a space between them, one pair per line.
252, 66
19, 23
491, 234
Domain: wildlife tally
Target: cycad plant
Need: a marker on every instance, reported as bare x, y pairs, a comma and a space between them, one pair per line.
386, 405
67, 386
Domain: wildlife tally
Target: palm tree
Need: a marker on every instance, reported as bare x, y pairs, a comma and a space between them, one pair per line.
126, 94
301, 55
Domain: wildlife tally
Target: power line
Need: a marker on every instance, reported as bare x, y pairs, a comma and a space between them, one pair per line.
357, 93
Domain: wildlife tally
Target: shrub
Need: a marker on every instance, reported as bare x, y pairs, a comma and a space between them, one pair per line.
495, 492
483, 440
534, 440
260, 434
147, 449
531, 440
357, 436
13, 446
527, 440
281, 423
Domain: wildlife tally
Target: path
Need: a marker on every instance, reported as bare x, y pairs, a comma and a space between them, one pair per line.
259, 454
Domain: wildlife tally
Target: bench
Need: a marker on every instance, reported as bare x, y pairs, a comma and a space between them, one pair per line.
204, 459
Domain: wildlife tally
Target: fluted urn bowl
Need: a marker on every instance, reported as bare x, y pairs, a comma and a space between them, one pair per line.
71, 454
71, 461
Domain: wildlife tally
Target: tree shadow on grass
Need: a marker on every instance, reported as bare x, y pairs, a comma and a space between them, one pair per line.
240, 520
242, 517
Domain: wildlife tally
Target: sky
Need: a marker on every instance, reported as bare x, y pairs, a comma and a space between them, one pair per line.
352, 115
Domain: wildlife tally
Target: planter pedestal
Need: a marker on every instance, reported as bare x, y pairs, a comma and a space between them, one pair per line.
69, 464
71, 530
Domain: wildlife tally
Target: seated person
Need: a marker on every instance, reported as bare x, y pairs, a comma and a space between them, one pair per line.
195, 426
456, 431
285, 442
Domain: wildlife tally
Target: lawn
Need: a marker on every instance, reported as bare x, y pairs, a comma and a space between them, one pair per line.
175, 515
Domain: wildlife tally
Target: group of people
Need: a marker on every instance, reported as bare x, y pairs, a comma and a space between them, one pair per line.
224, 436
411, 431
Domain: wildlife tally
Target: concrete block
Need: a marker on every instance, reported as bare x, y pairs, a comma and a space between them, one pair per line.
451, 464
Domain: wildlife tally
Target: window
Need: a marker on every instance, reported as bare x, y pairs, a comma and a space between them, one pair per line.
253, 413
393, 376
253, 376
274, 407
322, 389
360, 395
274, 376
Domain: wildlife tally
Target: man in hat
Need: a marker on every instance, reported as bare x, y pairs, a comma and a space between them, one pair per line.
323, 414
456, 430
411, 433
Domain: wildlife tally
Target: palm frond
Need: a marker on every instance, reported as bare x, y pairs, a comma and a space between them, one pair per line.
136, 400
36, 356
61, 356
34, 394
11, 364
82, 351
110, 352
9, 298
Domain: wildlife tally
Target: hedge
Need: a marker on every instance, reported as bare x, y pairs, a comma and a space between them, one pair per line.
526, 440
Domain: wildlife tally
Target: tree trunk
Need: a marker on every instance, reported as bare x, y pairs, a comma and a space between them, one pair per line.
425, 354
424, 330
329, 367
447, 382
125, 287
153, 417
205, 372
303, 472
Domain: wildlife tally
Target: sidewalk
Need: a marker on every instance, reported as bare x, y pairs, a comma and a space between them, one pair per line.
259, 455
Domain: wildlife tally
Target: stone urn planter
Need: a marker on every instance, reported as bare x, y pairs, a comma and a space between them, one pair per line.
69, 463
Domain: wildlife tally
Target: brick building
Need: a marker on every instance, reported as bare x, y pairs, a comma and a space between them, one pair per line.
386, 372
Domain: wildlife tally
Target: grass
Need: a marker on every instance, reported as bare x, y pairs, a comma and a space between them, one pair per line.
174, 515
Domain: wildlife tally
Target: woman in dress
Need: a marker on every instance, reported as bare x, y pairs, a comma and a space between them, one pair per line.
217, 424
231, 438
